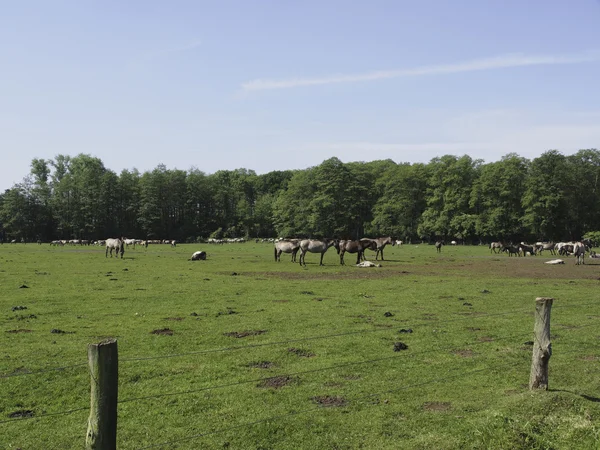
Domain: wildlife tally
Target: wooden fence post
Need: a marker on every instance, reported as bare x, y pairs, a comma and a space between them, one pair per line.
542, 348
102, 423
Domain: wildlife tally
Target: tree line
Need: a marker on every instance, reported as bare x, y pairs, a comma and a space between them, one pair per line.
552, 197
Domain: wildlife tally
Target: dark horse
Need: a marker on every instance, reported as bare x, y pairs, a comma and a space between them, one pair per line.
438, 246
353, 247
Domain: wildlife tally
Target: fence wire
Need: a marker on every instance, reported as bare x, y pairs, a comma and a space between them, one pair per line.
289, 341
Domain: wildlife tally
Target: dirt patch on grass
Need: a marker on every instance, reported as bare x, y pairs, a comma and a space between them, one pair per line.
352, 377
163, 332
511, 392
281, 301
261, 364
22, 413
276, 382
21, 330
301, 352
589, 358
466, 353
330, 400
399, 346
472, 267
243, 334
485, 339
437, 406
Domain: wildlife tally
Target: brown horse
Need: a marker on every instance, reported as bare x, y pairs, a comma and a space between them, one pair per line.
315, 246
377, 245
353, 247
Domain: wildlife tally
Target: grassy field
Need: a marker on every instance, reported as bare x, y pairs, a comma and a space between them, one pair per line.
241, 352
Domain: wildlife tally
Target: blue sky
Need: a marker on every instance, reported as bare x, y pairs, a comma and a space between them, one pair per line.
275, 85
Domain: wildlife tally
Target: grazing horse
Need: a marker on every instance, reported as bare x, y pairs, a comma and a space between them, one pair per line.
527, 249
438, 246
129, 242
579, 252
541, 246
353, 247
496, 247
377, 245
315, 246
118, 245
287, 246
512, 250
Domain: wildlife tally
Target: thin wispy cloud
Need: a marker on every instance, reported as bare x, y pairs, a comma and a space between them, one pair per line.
496, 62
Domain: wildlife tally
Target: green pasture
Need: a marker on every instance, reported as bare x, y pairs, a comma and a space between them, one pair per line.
253, 354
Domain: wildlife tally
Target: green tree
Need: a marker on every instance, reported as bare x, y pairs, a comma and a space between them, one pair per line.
546, 199
291, 208
398, 210
449, 189
496, 199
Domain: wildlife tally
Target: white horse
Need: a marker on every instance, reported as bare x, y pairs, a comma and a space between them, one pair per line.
129, 242
118, 245
579, 252
496, 247
287, 246
315, 246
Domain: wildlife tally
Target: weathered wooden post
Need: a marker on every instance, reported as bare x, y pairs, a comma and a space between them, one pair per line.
102, 423
542, 348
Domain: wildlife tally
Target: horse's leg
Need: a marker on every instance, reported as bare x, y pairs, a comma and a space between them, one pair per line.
322, 254
275, 253
342, 257
358, 256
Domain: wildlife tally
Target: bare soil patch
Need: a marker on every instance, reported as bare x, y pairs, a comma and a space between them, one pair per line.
484, 266
243, 334
352, 377
276, 382
329, 400
21, 330
22, 413
467, 353
485, 339
437, 406
301, 352
163, 332
399, 346
261, 364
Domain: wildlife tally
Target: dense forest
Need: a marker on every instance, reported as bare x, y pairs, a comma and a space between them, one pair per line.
552, 197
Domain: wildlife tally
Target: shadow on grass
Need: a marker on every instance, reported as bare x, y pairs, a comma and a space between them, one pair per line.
584, 396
